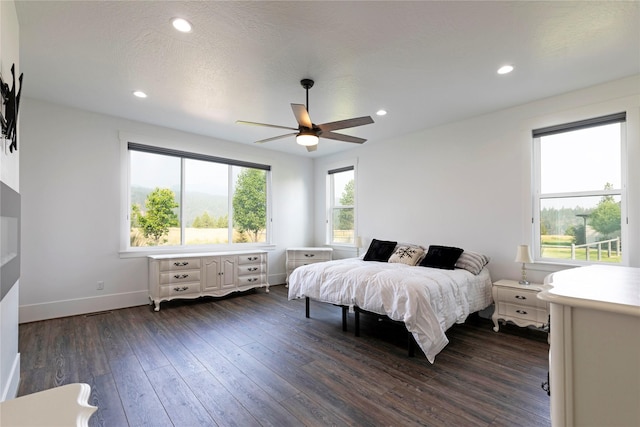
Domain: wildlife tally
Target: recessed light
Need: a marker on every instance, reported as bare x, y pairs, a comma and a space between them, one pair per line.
381, 112
505, 69
139, 94
181, 25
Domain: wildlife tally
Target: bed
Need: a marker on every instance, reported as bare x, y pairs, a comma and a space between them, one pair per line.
428, 300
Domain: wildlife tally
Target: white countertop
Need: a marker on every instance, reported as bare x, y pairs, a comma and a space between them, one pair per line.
602, 287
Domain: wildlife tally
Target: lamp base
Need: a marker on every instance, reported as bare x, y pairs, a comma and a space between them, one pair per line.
524, 282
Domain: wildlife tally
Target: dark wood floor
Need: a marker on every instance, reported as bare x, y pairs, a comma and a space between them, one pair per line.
255, 360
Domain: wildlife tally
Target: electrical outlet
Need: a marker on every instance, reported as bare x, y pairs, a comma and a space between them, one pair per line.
100, 285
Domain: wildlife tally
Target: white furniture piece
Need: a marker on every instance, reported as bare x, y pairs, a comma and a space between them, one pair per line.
303, 256
519, 304
205, 274
66, 406
594, 357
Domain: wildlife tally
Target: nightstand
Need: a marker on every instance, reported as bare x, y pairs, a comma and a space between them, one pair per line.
519, 304
303, 256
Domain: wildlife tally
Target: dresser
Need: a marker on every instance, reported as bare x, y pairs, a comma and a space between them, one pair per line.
303, 256
594, 357
519, 304
215, 274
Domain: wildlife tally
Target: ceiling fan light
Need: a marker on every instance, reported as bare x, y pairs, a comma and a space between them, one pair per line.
307, 139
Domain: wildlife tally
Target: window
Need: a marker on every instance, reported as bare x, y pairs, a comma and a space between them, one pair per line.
341, 206
579, 197
187, 199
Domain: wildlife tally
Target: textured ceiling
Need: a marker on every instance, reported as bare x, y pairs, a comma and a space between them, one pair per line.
426, 62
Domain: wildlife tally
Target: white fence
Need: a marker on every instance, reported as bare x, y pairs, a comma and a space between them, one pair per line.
598, 245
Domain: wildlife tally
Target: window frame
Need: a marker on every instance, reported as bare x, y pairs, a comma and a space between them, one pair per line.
331, 205
537, 195
130, 142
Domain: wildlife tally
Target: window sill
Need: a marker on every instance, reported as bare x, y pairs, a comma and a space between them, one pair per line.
144, 252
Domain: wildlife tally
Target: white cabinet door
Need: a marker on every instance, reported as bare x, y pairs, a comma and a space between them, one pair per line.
220, 272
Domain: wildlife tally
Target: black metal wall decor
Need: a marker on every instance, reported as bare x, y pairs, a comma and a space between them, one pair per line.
11, 104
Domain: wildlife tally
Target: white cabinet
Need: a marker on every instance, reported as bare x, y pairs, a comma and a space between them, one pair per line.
594, 359
518, 304
205, 274
303, 256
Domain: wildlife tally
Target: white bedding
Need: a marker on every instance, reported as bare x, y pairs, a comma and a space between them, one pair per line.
428, 300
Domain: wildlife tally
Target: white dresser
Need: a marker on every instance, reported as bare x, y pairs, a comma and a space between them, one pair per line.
205, 274
303, 256
594, 359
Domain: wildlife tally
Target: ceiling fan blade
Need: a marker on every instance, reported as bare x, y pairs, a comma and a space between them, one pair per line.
275, 137
343, 124
342, 137
311, 148
242, 122
302, 115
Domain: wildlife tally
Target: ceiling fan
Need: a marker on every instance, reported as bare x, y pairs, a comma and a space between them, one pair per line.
307, 133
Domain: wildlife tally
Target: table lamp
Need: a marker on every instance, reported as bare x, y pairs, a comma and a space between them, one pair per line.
524, 256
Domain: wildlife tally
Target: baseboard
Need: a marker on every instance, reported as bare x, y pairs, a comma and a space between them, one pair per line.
54, 309
11, 389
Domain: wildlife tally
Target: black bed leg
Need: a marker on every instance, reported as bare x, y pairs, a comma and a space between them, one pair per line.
357, 320
412, 344
306, 307
344, 318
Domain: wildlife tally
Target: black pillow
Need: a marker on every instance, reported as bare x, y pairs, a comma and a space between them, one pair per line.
444, 257
380, 250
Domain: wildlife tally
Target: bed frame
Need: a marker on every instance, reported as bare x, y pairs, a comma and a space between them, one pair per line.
411, 342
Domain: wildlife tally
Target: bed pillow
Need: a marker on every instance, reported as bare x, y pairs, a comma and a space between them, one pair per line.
473, 262
408, 254
444, 257
380, 250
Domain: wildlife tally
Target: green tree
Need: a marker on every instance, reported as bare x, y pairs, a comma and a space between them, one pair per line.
345, 216
203, 221
250, 203
159, 215
606, 217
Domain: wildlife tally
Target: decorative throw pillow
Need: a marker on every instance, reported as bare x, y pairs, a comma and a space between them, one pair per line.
444, 257
473, 262
409, 255
379, 250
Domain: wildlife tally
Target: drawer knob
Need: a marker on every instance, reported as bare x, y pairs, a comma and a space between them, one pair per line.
180, 289
252, 268
180, 276
521, 297
309, 255
181, 264
521, 312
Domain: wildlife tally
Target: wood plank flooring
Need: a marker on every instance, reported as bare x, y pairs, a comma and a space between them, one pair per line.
255, 360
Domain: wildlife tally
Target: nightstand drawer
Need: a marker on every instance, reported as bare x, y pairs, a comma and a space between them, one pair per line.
532, 314
522, 297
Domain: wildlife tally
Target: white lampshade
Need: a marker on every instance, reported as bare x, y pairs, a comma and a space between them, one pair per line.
523, 255
307, 139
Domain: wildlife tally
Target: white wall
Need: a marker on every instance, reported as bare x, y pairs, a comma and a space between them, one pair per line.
9, 166
468, 183
71, 194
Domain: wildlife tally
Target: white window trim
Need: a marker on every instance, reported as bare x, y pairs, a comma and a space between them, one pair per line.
328, 203
535, 200
125, 209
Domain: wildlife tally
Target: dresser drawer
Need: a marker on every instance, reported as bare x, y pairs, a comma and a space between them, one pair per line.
309, 255
251, 279
179, 276
523, 312
251, 259
520, 297
179, 264
179, 289
251, 269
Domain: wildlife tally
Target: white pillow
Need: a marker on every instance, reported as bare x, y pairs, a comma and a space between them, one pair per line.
409, 255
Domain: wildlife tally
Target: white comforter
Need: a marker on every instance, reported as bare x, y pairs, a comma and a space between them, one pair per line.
428, 300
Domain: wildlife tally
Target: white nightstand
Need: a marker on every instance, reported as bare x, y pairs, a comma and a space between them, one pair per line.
519, 304
303, 256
